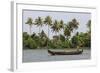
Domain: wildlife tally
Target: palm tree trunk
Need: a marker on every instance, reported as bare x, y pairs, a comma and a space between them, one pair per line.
48, 36
39, 29
30, 29
56, 34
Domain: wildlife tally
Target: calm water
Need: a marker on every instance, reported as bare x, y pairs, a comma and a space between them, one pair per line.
42, 55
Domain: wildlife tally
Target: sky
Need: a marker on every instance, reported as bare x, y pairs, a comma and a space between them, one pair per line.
81, 17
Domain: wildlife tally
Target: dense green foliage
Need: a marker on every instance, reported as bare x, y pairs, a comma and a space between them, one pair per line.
66, 40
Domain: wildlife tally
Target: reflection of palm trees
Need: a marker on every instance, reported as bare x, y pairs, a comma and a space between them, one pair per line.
29, 22
39, 22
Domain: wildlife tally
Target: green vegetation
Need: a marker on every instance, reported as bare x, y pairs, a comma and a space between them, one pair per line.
60, 41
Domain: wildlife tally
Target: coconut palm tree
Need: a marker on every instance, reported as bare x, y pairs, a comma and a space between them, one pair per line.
89, 25
89, 33
55, 27
39, 22
61, 25
70, 27
73, 24
67, 31
30, 23
48, 21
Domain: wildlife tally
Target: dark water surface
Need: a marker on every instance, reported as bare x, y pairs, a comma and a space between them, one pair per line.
39, 55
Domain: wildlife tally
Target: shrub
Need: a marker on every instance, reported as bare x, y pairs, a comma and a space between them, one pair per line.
62, 38
31, 43
66, 44
51, 45
25, 44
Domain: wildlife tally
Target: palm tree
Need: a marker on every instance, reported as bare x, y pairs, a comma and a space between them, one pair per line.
89, 32
55, 27
39, 22
73, 24
48, 21
30, 23
61, 25
67, 31
89, 25
70, 27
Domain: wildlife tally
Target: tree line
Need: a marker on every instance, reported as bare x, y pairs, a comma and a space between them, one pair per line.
33, 41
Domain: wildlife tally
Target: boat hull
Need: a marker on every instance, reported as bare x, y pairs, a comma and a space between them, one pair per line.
65, 53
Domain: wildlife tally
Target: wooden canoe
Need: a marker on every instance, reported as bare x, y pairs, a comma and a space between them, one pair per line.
75, 52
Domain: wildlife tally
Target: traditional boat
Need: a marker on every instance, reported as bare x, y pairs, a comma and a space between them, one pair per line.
70, 52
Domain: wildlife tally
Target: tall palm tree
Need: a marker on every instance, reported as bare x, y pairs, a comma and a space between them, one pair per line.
89, 25
30, 23
55, 27
39, 22
61, 25
89, 30
48, 21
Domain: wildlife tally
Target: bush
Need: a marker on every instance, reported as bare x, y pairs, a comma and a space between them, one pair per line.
25, 44
62, 38
51, 45
66, 44
74, 41
31, 43
25, 35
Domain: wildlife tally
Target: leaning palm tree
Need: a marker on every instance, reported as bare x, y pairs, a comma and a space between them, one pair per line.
70, 27
39, 22
30, 23
48, 21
